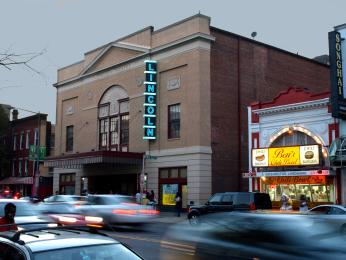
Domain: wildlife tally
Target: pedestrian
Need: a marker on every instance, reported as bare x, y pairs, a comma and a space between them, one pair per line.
178, 203
152, 199
285, 202
8, 218
303, 206
138, 197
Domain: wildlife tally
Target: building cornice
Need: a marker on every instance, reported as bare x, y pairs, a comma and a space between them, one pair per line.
293, 107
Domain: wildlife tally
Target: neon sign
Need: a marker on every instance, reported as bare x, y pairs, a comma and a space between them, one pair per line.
150, 100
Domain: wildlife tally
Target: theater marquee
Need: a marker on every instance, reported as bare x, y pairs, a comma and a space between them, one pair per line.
286, 156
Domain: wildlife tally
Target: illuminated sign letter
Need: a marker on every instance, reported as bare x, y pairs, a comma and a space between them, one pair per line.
150, 100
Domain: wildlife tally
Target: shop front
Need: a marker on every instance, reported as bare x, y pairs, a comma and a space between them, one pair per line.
318, 188
172, 180
288, 152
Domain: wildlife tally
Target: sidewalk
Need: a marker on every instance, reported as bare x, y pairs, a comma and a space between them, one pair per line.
171, 217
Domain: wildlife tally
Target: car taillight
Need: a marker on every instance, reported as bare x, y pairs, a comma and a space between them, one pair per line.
93, 219
252, 206
67, 219
149, 212
124, 211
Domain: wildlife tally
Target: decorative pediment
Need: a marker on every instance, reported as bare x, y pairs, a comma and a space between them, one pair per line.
114, 54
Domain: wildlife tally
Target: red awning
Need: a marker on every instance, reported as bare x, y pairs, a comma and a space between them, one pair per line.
17, 180
77, 160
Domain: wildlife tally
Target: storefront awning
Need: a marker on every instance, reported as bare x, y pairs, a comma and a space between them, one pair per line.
77, 160
17, 180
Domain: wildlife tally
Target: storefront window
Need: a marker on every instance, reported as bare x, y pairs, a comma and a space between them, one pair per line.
318, 190
168, 194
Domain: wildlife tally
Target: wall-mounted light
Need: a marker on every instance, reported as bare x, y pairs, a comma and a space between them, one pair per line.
263, 178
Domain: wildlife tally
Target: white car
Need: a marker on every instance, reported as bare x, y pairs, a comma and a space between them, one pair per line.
61, 244
118, 209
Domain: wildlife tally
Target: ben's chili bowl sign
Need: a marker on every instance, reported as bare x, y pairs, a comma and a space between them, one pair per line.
286, 156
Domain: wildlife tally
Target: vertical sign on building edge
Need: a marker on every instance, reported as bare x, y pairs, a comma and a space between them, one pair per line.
338, 100
150, 107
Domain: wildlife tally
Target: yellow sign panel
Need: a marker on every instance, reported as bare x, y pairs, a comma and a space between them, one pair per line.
284, 156
168, 199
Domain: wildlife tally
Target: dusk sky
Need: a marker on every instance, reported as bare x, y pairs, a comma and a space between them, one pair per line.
65, 29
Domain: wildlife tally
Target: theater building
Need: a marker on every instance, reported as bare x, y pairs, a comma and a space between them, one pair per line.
290, 137
166, 110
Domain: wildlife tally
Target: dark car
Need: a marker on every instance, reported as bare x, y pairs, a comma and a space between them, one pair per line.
230, 201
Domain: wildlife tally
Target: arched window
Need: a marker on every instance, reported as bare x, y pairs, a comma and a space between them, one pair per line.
293, 138
113, 116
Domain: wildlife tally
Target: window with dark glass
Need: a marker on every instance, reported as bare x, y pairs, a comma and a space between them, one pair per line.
174, 121
114, 126
173, 173
124, 129
69, 138
104, 132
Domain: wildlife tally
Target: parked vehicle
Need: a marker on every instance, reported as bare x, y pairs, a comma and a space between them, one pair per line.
117, 210
62, 243
230, 201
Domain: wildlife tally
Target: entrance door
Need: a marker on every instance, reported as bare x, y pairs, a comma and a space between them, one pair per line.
184, 195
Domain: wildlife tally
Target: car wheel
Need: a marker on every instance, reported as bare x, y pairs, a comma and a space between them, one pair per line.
343, 230
194, 219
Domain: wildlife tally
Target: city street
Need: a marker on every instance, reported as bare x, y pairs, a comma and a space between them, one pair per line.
154, 241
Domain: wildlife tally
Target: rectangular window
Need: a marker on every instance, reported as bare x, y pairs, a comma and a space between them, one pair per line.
14, 168
20, 167
114, 131
26, 167
174, 121
104, 132
27, 140
14, 142
124, 129
36, 137
69, 138
21, 141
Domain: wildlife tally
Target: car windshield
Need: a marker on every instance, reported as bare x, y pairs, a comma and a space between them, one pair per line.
100, 252
22, 209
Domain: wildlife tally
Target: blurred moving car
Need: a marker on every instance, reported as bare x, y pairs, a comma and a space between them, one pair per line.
230, 201
68, 214
25, 212
252, 235
65, 198
62, 244
118, 209
334, 216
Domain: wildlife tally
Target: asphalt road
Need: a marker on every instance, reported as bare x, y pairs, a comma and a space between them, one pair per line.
153, 242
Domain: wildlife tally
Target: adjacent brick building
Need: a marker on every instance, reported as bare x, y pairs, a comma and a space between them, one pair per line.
27, 175
206, 79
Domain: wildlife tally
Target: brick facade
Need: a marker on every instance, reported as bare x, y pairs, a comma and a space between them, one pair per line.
244, 71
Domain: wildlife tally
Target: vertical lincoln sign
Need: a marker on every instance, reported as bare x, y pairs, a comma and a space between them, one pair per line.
150, 100
337, 87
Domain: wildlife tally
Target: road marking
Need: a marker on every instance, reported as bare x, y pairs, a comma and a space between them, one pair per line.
163, 243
